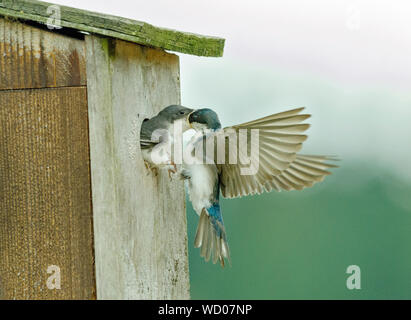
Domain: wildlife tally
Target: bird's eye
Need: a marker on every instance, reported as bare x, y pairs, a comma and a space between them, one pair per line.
182, 112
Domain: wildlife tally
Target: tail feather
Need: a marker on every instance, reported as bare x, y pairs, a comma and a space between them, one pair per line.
211, 237
201, 229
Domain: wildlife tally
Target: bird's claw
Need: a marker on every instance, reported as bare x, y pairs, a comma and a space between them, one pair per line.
173, 170
153, 169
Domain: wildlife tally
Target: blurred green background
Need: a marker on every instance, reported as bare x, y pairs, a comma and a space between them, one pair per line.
298, 245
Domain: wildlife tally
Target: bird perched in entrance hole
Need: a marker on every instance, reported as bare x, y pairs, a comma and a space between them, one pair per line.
274, 165
156, 137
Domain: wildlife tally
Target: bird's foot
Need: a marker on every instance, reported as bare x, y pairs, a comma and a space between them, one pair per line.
170, 171
153, 169
173, 170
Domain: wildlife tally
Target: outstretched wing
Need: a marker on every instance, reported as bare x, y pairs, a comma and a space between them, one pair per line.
279, 139
302, 173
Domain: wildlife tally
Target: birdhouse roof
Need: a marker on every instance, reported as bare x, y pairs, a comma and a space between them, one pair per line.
116, 27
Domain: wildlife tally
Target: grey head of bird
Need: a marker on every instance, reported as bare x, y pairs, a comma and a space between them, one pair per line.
203, 119
164, 120
174, 112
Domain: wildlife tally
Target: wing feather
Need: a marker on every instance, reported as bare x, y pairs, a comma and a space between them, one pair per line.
300, 174
275, 116
280, 167
280, 139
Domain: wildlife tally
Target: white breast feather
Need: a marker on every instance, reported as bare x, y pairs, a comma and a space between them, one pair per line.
201, 185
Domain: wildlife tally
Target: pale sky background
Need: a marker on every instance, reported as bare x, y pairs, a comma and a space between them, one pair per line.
347, 61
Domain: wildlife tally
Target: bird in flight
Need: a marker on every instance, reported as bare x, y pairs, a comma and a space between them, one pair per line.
274, 164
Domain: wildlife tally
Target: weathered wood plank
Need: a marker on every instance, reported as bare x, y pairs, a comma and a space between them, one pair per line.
35, 58
45, 201
139, 220
116, 27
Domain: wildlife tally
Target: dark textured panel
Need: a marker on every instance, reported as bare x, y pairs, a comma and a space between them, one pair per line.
45, 200
35, 58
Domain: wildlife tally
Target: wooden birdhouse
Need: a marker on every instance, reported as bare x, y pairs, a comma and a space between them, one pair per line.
80, 215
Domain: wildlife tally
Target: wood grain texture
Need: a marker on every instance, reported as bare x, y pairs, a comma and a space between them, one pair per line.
35, 58
117, 27
45, 200
139, 219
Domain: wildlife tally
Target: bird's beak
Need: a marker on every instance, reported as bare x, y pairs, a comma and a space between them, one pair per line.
188, 119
